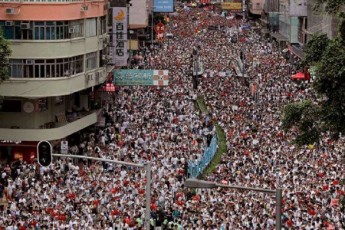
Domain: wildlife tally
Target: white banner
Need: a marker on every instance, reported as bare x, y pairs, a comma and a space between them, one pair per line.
64, 147
120, 41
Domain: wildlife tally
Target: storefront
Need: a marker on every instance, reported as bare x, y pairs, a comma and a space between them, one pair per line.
18, 150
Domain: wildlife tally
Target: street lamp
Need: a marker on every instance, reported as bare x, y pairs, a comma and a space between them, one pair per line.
195, 183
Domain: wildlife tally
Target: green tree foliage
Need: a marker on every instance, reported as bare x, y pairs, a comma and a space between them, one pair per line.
331, 6
330, 84
315, 48
342, 30
304, 117
328, 58
5, 52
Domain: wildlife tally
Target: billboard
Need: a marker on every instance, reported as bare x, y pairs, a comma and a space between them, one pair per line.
164, 6
120, 41
141, 77
232, 6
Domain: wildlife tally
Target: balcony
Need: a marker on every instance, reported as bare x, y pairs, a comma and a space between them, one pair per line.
22, 49
51, 131
50, 87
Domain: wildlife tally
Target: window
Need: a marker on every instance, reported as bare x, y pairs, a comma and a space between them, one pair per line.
90, 27
41, 105
41, 68
50, 31
11, 106
91, 61
76, 28
42, 30
103, 27
16, 67
62, 30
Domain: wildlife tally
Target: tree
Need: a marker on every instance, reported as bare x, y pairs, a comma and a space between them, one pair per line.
330, 6
315, 48
5, 52
327, 114
302, 115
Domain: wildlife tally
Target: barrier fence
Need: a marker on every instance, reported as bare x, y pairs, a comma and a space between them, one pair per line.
196, 168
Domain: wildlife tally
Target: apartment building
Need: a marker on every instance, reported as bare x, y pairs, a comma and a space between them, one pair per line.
59, 58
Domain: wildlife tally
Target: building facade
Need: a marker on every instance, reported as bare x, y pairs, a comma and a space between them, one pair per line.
256, 7
59, 56
319, 22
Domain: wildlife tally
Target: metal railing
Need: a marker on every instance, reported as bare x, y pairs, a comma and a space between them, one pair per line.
196, 168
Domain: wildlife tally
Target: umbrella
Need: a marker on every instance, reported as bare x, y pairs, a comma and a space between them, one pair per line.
298, 76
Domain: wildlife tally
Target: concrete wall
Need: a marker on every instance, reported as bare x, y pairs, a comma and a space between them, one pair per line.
319, 22
48, 87
55, 48
48, 134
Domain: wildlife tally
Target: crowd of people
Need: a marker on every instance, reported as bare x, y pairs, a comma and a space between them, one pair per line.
163, 125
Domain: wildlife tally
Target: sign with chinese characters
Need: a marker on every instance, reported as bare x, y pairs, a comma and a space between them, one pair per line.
120, 42
141, 77
232, 6
163, 6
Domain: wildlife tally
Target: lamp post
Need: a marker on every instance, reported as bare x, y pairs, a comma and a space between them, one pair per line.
152, 22
194, 183
244, 10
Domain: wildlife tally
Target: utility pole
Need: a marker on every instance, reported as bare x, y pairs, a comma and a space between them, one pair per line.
128, 5
244, 9
152, 16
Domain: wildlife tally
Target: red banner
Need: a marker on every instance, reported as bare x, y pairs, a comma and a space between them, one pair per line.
160, 29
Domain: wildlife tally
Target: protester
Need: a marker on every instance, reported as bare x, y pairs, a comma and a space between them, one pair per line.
162, 125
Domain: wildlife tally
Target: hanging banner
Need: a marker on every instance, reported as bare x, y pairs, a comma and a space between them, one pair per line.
160, 29
234, 7
64, 147
120, 41
164, 6
141, 77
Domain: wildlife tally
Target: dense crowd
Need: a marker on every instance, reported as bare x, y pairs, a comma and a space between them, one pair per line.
162, 125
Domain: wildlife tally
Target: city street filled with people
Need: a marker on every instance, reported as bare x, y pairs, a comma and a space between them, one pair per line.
163, 125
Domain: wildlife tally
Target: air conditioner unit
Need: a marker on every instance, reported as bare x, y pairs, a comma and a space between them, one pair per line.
29, 61
71, 30
89, 77
84, 8
9, 23
10, 11
25, 26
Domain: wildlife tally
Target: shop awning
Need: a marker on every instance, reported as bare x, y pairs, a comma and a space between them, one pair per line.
298, 76
298, 51
279, 37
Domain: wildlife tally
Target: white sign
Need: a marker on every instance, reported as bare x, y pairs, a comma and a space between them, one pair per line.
120, 41
64, 147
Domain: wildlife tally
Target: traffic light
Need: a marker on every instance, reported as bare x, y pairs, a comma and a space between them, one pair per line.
44, 153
